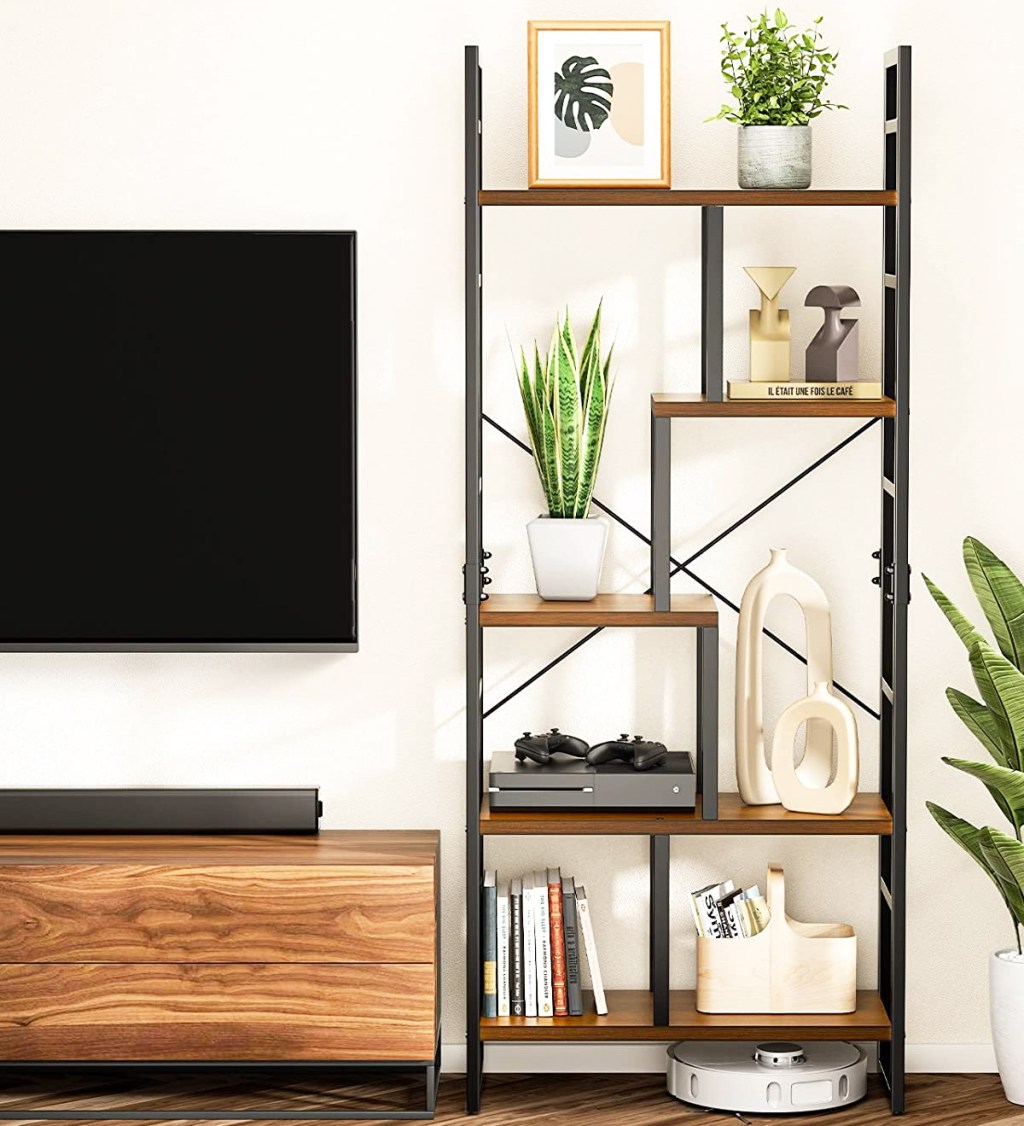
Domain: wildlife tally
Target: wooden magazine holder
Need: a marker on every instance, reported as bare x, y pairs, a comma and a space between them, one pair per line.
790, 967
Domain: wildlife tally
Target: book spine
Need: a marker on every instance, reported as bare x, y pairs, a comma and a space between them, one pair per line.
545, 995
558, 986
710, 918
573, 986
501, 951
586, 928
517, 998
490, 942
529, 949
705, 903
734, 927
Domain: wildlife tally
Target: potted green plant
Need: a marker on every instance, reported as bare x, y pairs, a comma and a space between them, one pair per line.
997, 720
777, 75
566, 394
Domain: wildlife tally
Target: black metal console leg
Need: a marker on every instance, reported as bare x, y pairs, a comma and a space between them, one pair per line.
659, 930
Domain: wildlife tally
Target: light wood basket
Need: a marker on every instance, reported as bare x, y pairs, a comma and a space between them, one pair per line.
789, 967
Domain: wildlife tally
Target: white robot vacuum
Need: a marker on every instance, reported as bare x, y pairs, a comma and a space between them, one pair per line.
768, 1078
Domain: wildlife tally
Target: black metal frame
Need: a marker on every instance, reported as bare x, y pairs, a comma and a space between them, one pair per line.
894, 573
431, 1074
893, 579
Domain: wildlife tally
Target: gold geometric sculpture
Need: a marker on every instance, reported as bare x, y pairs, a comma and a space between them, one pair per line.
769, 326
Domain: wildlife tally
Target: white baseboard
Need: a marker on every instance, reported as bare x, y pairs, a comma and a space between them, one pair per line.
608, 1059
951, 1057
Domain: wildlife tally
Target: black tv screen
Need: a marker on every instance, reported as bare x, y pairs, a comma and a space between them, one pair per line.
177, 440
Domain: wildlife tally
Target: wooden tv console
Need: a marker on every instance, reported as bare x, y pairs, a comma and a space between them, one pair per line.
224, 949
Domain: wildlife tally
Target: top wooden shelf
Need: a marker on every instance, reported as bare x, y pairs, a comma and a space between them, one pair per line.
694, 610
696, 406
679, 197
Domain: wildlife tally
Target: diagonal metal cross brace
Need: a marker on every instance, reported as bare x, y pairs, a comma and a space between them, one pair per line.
684, 565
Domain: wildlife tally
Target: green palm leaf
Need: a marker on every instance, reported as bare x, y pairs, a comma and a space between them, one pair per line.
965, 630
980, 722
1005, 786
1001, 596
1004, 857
1002, 688
968, 838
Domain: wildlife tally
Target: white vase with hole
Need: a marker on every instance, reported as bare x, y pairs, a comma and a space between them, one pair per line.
778, 578
813, 786
567, 556
1006, 1002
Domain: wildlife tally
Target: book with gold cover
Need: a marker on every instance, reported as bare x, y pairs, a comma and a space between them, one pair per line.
859, 389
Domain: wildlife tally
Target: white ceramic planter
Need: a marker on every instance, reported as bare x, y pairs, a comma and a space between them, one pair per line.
567, 556
1006, 1002
774, 156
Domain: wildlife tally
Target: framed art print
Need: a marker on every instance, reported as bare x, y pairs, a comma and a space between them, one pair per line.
599, 104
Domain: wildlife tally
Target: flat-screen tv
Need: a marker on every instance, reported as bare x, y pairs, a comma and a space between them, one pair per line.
177, 440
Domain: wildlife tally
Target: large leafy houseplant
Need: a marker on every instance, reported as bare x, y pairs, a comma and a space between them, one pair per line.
997, 721
566, 394
776, 73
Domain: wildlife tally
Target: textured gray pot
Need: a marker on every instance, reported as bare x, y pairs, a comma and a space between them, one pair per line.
775, 156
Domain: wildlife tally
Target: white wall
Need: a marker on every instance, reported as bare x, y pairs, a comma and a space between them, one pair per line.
308, 113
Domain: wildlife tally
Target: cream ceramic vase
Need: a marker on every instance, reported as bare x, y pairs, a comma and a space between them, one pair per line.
567, 556
779, 577
1006, 1001
811, 786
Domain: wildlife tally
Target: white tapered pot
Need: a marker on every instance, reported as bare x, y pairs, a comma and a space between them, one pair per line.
1006, 1002
567, 556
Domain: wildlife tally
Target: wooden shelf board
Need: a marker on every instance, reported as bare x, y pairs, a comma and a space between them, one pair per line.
696, 406
867, 816
630, 1015
605, 610
680, 197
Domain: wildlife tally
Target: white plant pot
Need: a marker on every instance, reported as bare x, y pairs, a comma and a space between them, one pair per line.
1006, 1001
567, 556
774, 156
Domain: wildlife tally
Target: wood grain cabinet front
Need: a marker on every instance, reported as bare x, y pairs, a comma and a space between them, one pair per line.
223, 949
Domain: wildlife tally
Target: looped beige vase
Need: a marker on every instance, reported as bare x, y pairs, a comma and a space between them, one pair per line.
778, 578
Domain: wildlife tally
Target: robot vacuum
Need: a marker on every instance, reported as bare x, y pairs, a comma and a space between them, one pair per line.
767, 1078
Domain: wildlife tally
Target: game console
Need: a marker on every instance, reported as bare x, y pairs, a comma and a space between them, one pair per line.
576, 783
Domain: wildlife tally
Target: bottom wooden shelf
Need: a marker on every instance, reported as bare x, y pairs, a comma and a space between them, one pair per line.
630, 1017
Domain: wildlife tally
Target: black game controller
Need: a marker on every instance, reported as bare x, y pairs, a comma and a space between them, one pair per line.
641, 754
540, 748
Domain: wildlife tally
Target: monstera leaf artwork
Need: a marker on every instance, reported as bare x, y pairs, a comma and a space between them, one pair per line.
583, 93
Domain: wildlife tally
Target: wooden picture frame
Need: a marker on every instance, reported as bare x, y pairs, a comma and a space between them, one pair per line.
621, 149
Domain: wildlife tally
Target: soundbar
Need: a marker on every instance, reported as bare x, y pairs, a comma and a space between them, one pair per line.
289, 810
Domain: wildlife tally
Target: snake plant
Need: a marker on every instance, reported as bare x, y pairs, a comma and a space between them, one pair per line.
566, 394
997, 721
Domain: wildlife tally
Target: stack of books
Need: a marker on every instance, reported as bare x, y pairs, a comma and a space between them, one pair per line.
722, 910
536, 931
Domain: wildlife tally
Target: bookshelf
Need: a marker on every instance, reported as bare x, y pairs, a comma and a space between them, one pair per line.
658, 1013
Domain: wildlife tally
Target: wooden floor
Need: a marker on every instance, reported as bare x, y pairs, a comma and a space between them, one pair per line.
626, 1100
